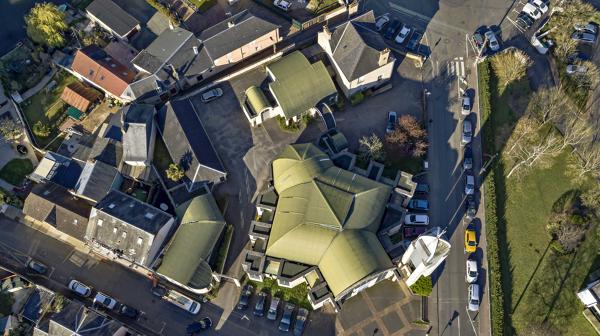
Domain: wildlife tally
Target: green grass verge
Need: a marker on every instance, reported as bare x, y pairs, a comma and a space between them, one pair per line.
297, 295
15, 171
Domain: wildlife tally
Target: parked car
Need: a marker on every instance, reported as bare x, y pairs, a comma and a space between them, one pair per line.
583, 37
301, 318
259, 307
391, 122
577, 56
245, 297
381, 21
104, 300
402, 34
524, 20
37, 266
128, 311
272, 313
471, 206
282, 4
492, 40
468, 158
472, 273
391, 29
182, 302
532, 11
478, 40
422, 188
210, 95
286, 319
415, 41
469, 183
587, 28
416, 219
159, 291
412, 232
540, 5
197, 326
467, 132
474, 297
79, 288
470, 240
418, 204
465, 105
573, 69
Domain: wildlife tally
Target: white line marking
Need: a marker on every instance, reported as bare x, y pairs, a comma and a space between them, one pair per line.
462, 68
458, 69
451, 64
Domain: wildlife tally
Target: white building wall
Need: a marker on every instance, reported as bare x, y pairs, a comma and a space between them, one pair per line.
158, 241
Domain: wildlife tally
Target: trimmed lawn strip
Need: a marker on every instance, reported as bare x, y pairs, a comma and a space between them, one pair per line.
297, 295
203, 5
15, 170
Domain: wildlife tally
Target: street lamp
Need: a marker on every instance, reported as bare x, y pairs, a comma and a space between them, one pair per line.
487, 164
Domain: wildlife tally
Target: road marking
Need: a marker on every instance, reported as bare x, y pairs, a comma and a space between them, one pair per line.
450, 69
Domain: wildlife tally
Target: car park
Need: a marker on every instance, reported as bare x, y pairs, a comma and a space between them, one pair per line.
282, 4
402, 34
465, 105
300, 324
468, 158
524, 21
259, 307
415, 41
471, 207
128, 311
391, 29
286, 319
104, 300
381, 21
469, 183
272, 313
467, 132
573, 69
79, 288
245, 297
472, 271
492, 40
210, 95
532, 11
182, 302
473, 297
418, 204
416, 219
470, 240
589, 28
540, 5
37, 266
422, 188
391, 122
583, 37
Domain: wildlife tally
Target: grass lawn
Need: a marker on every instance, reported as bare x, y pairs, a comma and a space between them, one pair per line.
297, 295
317, 6
46, 106
393, 163
203, 5
15, 171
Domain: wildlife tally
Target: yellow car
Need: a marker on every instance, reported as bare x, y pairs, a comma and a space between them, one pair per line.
470, 240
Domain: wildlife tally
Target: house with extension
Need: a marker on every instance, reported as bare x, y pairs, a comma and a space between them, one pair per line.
424, 255
187, 258
94, 66
189, 145
318, 225
121, 226
234, 39
359, 55
589, 296
51, 204
139, 134
112, 18
295, 87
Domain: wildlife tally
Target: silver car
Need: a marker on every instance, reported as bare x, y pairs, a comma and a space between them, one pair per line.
466, 105
583, 37
467, 132
492, 40
211, 95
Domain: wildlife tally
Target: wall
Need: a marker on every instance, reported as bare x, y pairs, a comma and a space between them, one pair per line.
249, 49
158, 241
371, 79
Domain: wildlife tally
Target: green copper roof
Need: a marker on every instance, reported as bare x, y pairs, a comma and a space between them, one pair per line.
185, 259
299, 85
327, 216
257, 100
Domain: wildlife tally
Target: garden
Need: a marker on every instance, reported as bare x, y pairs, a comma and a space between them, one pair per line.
297, 295
15, 171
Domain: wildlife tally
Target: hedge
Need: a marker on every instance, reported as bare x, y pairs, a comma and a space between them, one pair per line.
491, 220
164, 10
423, 286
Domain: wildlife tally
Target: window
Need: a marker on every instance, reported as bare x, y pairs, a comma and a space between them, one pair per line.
100, 222
111, 206
380, 77
91, 72
75, 221
114, 230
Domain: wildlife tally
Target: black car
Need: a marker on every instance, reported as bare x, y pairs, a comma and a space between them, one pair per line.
128, 311
524, 20
286, 320
245, 297
301, 318
471, 207
37, 266
415, 41
259, 308
468, 158
391, 29
159, 291
196, 327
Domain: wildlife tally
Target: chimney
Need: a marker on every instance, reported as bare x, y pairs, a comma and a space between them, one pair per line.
327, 32
195, 50
384, 55
230, 24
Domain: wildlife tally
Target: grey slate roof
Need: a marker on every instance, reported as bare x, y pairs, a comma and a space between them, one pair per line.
188, 143
48, 202
76, 319
138, 123
234, 32
356, 45
113, 16
107, 150
96, 180
65, 171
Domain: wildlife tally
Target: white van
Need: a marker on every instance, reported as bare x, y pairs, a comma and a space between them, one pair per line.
182, 302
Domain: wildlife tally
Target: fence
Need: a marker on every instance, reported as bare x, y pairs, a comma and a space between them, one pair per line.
332, 11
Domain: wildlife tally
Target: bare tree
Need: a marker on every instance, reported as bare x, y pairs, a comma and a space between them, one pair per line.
589, 159
570, 235
588, 77
10, 130
565, 46
409, 137
575, 132
371, 148
547, 105
510, 65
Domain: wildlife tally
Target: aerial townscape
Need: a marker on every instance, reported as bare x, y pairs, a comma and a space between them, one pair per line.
299, 167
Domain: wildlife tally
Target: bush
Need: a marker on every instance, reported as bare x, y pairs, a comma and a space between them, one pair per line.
292, 127
340, 104
41, 130
175, 172
423, 286
357, 98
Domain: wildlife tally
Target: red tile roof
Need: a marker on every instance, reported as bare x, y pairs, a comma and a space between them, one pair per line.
80, 96
98, 67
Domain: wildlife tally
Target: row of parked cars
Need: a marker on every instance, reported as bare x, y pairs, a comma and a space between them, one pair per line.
102, 300
292, 318
402, 34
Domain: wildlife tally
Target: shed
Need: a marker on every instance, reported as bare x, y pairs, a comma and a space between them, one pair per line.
80, 96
